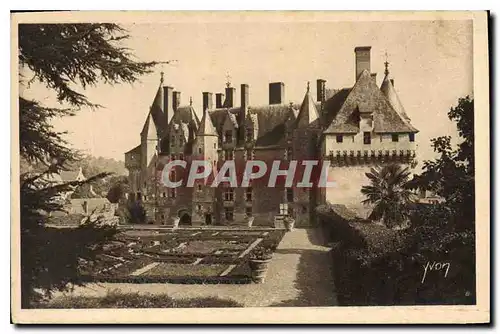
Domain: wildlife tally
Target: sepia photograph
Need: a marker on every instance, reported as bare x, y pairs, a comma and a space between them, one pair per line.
250, 167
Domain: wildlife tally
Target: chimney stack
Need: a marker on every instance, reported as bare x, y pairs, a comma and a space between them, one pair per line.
230, 95
244, 96
219, 100
207, 101
362, 59
276, 93
168, 103
176, 100
320, 90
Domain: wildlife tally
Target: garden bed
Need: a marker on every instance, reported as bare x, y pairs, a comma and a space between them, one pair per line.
180, 256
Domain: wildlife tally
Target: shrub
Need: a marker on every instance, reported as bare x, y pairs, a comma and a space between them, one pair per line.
116, 299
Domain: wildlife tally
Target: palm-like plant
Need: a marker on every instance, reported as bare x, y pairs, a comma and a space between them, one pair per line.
388, 193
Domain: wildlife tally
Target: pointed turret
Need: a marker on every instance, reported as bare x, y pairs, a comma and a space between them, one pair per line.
387, 88
206, 127
308, 112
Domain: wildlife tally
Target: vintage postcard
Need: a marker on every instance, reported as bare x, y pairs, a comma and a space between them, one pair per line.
250, 167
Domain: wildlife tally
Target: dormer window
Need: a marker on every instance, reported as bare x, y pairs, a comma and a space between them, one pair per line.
367, 139
412, 137
340, 138
228, 136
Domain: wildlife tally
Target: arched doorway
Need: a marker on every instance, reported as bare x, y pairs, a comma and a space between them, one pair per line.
185, 218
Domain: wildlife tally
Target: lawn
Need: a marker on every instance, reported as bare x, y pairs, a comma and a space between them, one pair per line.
193, 256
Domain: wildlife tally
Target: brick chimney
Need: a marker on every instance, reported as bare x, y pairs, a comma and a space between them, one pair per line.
168, 102
207, 101
219, 100
362, 59
230, 95
320, 90
276, 93
244, 96
176, 100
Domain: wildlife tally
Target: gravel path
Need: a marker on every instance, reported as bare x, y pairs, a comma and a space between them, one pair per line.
300, 274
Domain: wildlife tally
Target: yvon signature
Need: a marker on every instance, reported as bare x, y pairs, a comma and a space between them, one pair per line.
436, 266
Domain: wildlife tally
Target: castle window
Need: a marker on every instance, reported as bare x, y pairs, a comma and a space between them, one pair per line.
340, 138
412, 137
173, 193
229, 213
172, 142
198, 207
145, 197
215, 145
395, 137
173, 157
229, 195
228, 136
228, 155
367, 139
248, 194
289, 195
139, 196
181, 156
283, 209
172, 175
248, 211
200, 150
162, 216
198, 187
163, 194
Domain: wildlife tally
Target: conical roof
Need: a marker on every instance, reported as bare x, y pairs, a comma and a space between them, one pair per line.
206, 127
308, 112
390, 93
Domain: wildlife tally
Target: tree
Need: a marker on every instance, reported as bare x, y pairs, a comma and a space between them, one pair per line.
451, 175
62, 57
388, 194
118, 188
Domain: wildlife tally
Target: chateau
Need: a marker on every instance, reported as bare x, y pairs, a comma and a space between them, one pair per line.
353, 129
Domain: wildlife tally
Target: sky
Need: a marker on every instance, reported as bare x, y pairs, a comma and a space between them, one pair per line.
430, 61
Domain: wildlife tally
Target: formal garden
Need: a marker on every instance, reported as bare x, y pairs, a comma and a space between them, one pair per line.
183, 256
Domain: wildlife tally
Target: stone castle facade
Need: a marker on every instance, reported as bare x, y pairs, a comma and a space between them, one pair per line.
353, 129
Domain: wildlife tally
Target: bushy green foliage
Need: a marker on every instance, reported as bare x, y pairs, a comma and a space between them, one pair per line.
388, 194
441, 232
62, 57
115, 299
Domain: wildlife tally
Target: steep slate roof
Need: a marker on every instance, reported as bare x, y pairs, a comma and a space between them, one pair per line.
270, 121
149, 128
308, 112
390, 93
135, 150
157, 113
206, 127
186, 114
367, 95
